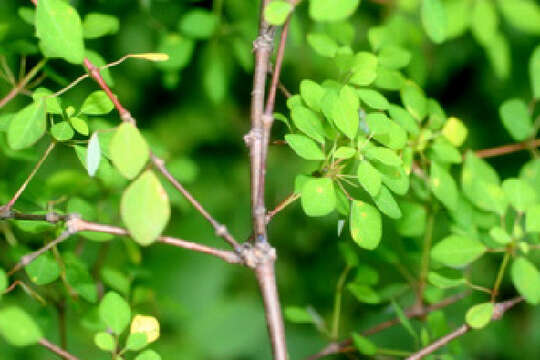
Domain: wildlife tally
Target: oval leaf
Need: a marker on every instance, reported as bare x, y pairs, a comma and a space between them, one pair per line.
365, 225
128, 150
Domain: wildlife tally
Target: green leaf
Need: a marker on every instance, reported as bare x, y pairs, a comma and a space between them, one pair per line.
444, 152
413, 221
434, 20
332, 10
323, 44
403, 319
347, 250
455, 131
479, 315
344, 152
28, 14
148, 355
394, 57
298, 315
532, 219
516, 119
534, 72
79, 278
79, 125
3, 282
115, 280
522, 14
373, 99
365, 225
277, 12
104, 341
145, 208
345, 112
457, 251
215, 75
386, 131
43, 270
136, 341
364, 293
93, 155
385, 203
52, 103
395, 178
318, 197
484, 21
128, 150
96, 25
498, 52
27, 126
97, 103
364, 69
384, 155
18, 328
444, 187
369, 178
308, 122
59, 28
519, 193
62, 131
458, 17
444, 282
498, 234
179, 49
388, 79
364, 345
526, 279
414, 100
198, 23
115, 312
312, 94
404, 119
304, 147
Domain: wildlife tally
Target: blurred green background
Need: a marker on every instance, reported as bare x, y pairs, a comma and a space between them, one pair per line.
194, 113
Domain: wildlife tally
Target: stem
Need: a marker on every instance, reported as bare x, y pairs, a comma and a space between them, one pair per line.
20, 86
57, 350
508, 149
424, 269
282, 205
500, 276
337, 303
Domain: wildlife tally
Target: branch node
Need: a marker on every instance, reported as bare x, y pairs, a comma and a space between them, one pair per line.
5, 212
264, 42
252, 136
257, 254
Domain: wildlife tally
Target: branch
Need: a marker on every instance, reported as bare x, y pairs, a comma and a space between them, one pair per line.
57, 350
282, 205
500, 309
508, 149
344, 346
20, 86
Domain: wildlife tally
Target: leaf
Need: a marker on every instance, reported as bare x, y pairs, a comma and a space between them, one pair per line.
332, 10
96, 25
456, 251
348, 252
524, 15
532, 219
364, 69
385, 203
304, 147
27, 126
43, 270
444, 187
444, 282
394, 177
534, 72
364, 345
454, 131
148, 355
404, 119
18, 328
384, 155
344, 152
178, 48
394, 57
444, 152
128, 150
308, 122
104, 341
498, 52
365, 225
145, 208
369, 178
62, 131
526, 279
298, 315
277, 12
479, 315
198, 23
115, 312
115, 280
498, 234
79, 278
388, 79
93, 155
458, 16
318, 197
519, 193
403, 319
97, 103
484, 21
386, 131
413, 221
215, 76
414, 100
323, 44
147, 325
79, 125
373, 99
434, 20
59, 28
52, 103
364, 293
312, 94
345, 112
3, 282
516, 119
136, 341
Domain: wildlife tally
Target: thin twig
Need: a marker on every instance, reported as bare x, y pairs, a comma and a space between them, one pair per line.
282, 205
500, 309
56, 349
22, 83
508, 149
